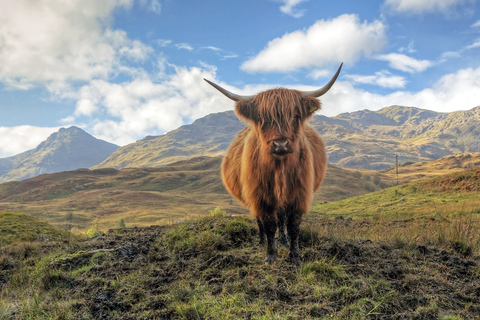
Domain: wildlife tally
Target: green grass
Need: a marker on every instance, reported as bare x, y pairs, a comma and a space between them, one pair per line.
17, 227
218, 273
452, 194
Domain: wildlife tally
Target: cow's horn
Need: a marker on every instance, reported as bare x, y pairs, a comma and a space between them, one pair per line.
325, 88
228, 94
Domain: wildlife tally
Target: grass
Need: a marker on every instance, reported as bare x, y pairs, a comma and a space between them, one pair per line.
17, 227
449, 194
77, 200
213, 269
370, 257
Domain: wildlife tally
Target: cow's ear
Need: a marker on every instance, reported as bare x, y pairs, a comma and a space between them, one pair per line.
247, 110
311, 105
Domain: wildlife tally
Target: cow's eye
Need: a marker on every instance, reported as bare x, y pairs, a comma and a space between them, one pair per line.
267, 125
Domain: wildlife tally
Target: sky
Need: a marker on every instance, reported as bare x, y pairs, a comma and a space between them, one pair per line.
125, 69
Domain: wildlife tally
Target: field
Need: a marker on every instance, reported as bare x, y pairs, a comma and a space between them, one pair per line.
178, 192
213, 269
405, 252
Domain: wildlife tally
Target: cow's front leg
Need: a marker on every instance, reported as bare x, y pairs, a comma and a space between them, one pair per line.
282, 236
294, 218
270, 226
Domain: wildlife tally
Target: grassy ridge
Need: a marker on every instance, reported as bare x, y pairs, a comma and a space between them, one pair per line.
453, 193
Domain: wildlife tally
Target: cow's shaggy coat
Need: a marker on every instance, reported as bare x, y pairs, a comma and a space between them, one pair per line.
276, 163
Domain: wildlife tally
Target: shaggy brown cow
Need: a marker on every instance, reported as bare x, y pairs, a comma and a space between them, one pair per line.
277, 162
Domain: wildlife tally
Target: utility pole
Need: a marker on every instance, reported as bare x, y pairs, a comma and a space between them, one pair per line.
396, 167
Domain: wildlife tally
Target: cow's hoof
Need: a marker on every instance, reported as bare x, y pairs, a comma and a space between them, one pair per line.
271, 258
282, 241
294, 258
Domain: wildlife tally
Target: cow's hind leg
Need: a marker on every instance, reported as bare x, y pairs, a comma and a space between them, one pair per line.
294, 218
282, 236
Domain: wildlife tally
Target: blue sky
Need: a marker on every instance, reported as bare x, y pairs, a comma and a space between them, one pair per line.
125, 69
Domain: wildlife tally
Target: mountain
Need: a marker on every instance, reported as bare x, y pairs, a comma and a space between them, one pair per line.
66, 149
359, 140
208, 136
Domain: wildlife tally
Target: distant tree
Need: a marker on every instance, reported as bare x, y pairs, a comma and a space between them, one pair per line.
69, 218
369, 186
357, 174
376, 180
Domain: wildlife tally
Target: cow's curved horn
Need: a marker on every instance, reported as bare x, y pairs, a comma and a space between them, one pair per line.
325, 88
228, 94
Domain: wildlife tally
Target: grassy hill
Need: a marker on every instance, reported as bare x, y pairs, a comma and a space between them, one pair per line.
184, 190
213, 269
407, 252
17, 227
181, 191
447, 194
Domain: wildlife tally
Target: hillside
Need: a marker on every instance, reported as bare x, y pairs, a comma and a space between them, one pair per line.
435, 197
407, 252
143, 196
410, 171
16, 227
360, 140
67, 149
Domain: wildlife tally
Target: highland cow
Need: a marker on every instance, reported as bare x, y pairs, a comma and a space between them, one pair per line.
277, 162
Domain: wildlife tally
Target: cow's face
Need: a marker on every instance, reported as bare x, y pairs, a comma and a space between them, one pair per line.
278, 116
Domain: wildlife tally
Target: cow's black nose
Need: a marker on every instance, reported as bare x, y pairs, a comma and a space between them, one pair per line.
281, 143
281, 147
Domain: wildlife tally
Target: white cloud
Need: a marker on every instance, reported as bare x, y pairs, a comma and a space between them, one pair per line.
143, 107
185, 46
15, 140
410, 48
405, 63
51, 43
456, 91
85, 107
220, 52
164, 42
152, 5
474, 45
382, 78
319, 73
343, 39
476, 24
423, 6
288, 8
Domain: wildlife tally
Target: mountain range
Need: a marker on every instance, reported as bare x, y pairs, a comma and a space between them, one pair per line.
67, 149
358, 140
